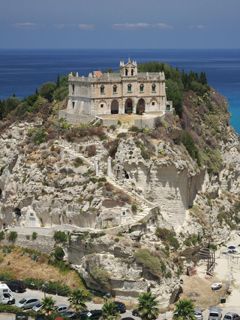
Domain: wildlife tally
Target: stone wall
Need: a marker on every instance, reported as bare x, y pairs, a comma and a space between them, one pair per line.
43, 243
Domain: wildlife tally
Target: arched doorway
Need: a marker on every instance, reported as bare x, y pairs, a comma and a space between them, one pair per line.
140, 106
114, 107
128, 106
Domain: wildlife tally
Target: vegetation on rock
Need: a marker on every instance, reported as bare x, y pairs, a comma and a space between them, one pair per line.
150, 262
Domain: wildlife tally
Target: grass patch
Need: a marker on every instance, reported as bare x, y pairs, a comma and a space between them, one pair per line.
35, 265
150, 262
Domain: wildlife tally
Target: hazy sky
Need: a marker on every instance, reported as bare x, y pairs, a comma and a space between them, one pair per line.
119, 24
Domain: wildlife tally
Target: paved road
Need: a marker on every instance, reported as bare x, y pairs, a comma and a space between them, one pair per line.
58, 299
63, 300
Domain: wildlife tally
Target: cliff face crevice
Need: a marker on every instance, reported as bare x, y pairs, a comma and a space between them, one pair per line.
170, 182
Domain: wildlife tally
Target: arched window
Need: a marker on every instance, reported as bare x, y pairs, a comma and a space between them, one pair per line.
126, 72
73, 104
73, 88
153, 87
129, 88
141, 87
102, 89
115, 88
132, 72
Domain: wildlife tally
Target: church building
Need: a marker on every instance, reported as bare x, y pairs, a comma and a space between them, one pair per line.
126, 92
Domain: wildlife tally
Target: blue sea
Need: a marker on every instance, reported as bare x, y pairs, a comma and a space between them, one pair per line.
22, 71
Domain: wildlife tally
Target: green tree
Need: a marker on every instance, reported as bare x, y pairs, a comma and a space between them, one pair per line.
37, 135
12, 237
47, 90
60, 236
48, 305
148, 306
189, 144
34, 235
109, 311
59, 254
2, 235
184, 309
203, 78
78, 300
175, 94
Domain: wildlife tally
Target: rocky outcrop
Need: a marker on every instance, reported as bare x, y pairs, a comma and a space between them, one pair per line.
132, 202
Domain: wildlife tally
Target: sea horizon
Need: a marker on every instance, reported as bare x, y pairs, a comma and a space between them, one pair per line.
23, 70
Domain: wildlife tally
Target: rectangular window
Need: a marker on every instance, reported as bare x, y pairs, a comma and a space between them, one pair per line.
129, 88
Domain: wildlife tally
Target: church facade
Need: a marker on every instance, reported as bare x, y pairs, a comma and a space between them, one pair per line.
126, 92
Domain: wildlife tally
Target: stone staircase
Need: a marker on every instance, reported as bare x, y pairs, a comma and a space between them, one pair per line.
144, 206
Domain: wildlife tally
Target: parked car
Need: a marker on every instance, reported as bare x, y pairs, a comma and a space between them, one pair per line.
231, 316
37, 307
216, 286
232, 249
215, 314
69, 314
198, 314
21, 316
135, 313
61, 308
16, 286
27, 303
120, 306
6, 295
40, 317
90, 315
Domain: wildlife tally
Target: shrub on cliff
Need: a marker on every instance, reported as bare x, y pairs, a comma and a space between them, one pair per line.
168, 237
7, 106
175, 94
47, 90
2, 235
75, 134
59, 254
149, 262
60, 236
12, 237
37, 135
189, 144
61, 91
101, 276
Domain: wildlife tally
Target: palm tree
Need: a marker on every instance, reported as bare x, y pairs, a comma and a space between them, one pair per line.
48, 305
110, 311
78, 300
147, 306
184, 309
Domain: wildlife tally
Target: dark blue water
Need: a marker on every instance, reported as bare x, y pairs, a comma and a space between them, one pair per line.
22, 71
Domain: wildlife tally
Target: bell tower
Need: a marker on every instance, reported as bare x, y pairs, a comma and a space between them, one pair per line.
128, 69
